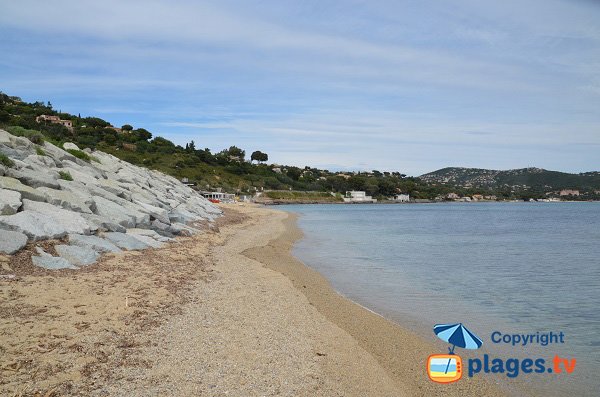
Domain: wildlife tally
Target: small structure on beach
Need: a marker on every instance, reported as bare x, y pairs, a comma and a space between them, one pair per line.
219, 197
357, 196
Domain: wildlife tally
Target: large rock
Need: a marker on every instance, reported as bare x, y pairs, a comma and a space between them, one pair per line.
93, 242
4, 137
161, 228
34, 179
10, 201
57, 153
102, 224
182, 215
26, 191
114, 188
35, 225
71, 221
11, 242
40, 161
14, 154
180, 229
125, 241
113, 212
79, 256
70, 146
79, 190
155, 212
80, 176
148, 233
65, 199
148, 240
52, 262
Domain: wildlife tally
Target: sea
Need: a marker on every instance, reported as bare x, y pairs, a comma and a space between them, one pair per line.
499, 268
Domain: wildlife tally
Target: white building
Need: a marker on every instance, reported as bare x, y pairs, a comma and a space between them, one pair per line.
357, 196
402, 198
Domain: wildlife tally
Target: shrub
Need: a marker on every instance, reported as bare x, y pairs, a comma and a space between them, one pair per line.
36, 138
80, 154
4, 160
40, 151
66, 175
33, 135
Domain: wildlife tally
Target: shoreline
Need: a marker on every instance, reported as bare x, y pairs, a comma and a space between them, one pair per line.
230, 311
393, 346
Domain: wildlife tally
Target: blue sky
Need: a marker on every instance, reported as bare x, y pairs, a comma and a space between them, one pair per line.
411, 86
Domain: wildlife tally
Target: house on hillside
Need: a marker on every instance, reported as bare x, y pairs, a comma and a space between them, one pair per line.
357, 196
55, 120
452, 196
569, 192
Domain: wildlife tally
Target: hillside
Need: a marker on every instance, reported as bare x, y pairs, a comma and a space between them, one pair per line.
232, 170
533, 179
229, 169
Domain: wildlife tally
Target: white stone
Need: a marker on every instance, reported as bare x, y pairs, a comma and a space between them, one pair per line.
10, 201
79, 256
11, 242
125, 241
26, 191
35, 225
93, 242
70, 146
71, 221
52, 262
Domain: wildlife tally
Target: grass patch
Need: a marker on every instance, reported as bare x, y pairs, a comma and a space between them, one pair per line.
4, 160
302, 196
80, 154
96, 159
33, 135
66, 175
40, 151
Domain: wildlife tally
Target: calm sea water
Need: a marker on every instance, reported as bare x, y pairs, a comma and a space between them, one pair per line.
508, 267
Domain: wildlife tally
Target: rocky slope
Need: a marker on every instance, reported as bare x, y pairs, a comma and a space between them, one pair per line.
95, 206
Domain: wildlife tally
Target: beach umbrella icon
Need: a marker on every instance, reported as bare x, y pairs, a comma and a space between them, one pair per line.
457, 335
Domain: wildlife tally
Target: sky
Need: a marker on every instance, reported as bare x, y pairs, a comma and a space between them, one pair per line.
409, 86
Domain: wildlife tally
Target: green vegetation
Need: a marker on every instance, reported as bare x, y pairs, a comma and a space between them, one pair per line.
40, 151
66, 175
33, 135
302, 196
80, 154
5, 161
230, 170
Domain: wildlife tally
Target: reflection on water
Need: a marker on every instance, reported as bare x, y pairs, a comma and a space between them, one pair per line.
513, 267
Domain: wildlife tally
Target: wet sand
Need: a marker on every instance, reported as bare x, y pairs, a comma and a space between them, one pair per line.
228, 312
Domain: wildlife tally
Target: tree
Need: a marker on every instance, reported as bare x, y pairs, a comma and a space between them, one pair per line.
235, 153
259, 156
142, 134
190, 147
127, 127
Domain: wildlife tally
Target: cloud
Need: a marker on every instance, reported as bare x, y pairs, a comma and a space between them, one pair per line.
388, 84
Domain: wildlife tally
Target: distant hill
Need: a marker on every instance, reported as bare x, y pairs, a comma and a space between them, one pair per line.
518, 179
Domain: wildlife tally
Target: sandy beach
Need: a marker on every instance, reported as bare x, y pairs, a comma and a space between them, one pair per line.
227, 312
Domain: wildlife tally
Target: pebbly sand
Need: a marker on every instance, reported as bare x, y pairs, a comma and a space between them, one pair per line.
228, 312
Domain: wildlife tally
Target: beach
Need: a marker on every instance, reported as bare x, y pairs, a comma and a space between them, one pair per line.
227, 312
